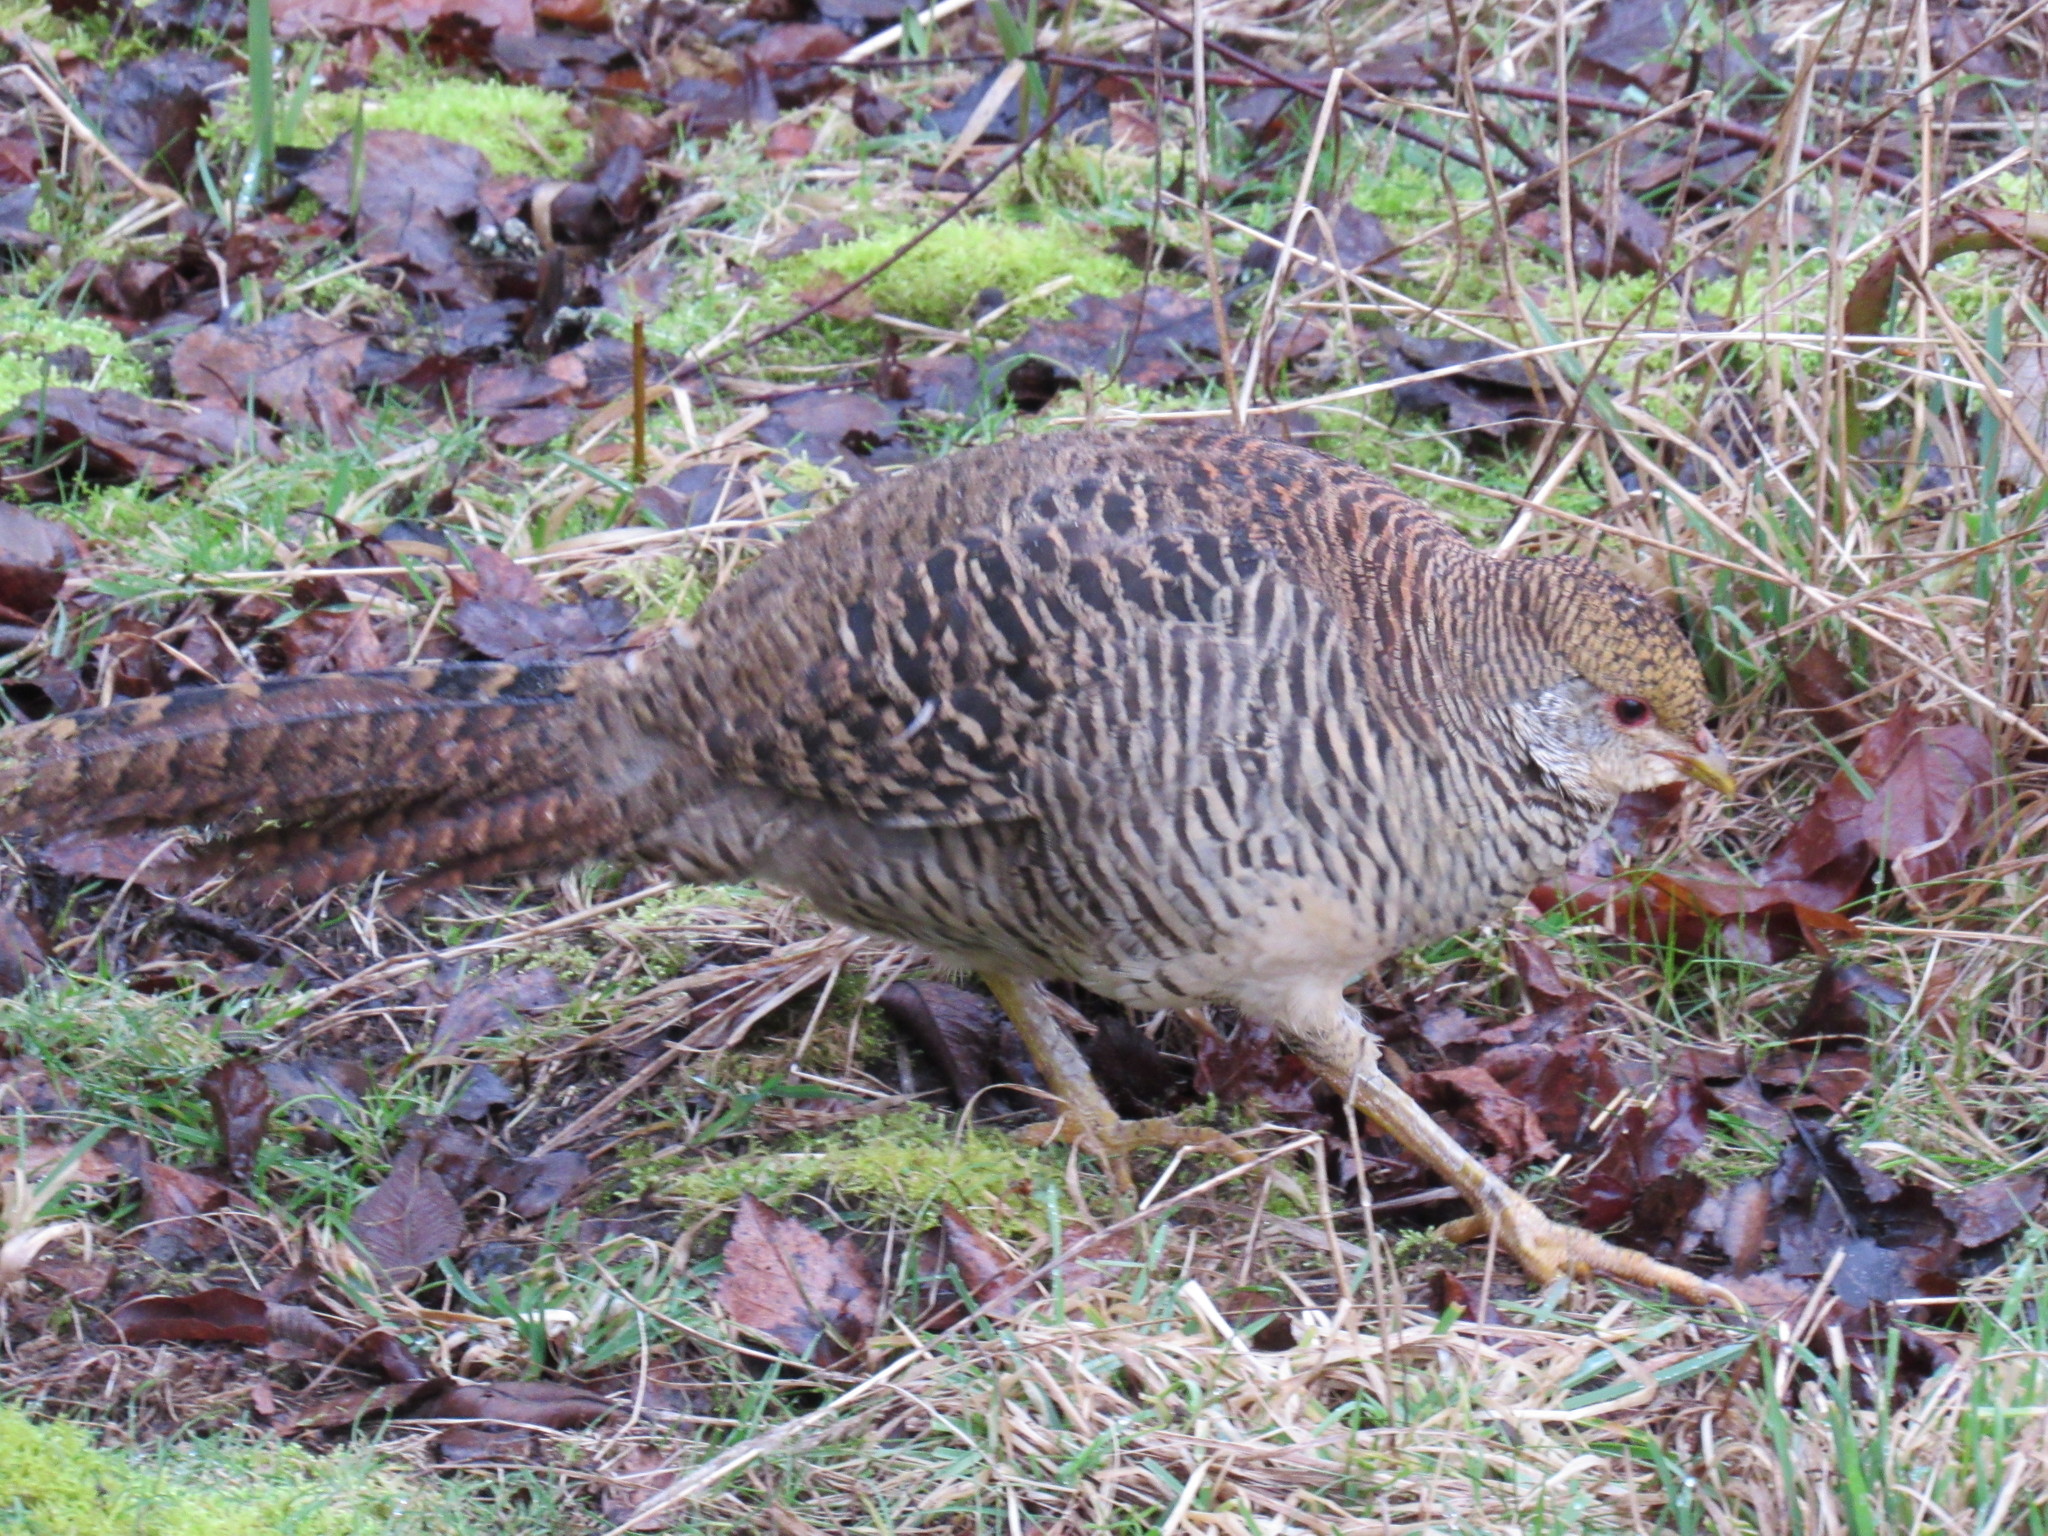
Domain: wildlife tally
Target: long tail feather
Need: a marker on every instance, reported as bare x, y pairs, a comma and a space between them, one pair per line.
443, 772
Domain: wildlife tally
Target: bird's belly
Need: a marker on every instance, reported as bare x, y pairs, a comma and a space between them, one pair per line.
1302, 934
1318, 916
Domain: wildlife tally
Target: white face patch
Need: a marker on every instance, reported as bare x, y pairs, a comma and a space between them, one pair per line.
1570, 733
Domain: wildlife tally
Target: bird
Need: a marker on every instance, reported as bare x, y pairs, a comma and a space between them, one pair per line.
1183, 717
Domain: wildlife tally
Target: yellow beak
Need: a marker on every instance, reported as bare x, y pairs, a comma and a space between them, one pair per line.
1709, 765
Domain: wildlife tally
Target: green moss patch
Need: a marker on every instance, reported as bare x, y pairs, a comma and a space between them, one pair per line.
29, 334
521, 131
898, 1165
55, 1482
936, 284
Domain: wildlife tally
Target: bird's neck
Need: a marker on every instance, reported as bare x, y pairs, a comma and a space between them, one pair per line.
1461, 635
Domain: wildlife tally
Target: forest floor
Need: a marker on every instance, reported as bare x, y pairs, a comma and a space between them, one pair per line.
602, 1203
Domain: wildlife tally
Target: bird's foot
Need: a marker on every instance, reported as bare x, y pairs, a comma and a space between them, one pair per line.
1114, 1140
1551, 1250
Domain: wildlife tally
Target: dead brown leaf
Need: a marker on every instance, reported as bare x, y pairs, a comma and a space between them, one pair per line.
967, 1035
1821, 684
544, 1404
413, 189
296, 366
240, 1100
34, 553
404, 18
814, 1296
1987, 1211
219, 1316
408, 1222
180, 1217
995, 1281
111, 435
1473, 1096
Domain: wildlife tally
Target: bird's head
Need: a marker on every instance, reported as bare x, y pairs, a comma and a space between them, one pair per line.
1631, 714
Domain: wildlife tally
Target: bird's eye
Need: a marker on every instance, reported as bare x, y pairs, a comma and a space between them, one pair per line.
1630, 713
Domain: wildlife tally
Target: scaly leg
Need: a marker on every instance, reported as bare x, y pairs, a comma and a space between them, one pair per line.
1340, 1047
1086, 1117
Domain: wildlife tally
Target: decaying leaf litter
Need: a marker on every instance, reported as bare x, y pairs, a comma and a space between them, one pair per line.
676, 1202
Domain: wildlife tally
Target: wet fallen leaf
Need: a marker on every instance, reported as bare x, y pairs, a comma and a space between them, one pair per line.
479, 1093
26, 1088
1474, 1097
494, 1003
544, 1404
968, 1037
792, 141
240, 1099
296, 366
1557, 1068
492, 576
814, 1296
514, 631
814, 235
1839, 1005
35, 1160
1933, 797
1493, 399
877, 115
179, 1214
1892, 1238
711, 106
403, 18
795, 59
695, 495
456, 1154
150, 110
1987, 1211
413, 189
21, 955
1631, 42
1153, 338
1637, 1174
1087, 110
109, 434
996, 1282
218, 1316
1446, 1291
1250, 1067
326, 639
324, 1088
408, 1222
34, 554
559, 61
533, 1186
838, 426
1821, 684
1356, 242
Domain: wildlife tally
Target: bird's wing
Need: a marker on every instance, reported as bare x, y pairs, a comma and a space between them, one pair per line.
929, 710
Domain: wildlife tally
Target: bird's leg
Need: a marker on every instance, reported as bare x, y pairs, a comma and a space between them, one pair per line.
1345, 1053
1086, 1117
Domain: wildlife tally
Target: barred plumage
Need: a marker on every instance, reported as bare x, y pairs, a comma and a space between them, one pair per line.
1182, 716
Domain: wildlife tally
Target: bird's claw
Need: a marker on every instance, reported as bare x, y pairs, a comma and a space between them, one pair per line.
1551, 1250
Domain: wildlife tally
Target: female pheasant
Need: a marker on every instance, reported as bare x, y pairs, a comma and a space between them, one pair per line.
1182, 717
